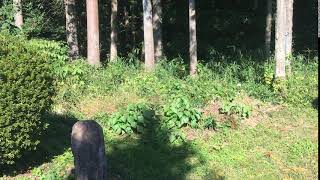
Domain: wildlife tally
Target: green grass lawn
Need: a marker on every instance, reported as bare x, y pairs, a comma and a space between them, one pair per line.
278, 141
284, 145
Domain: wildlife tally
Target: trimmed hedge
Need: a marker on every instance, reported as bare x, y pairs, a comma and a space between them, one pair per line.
26, 88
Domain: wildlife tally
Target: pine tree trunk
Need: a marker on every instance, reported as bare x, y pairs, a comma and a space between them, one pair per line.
93, 32
126, 25
18, 18
268, 28
148, 35
192, 38
255, 5
157, 28
133, 23
280, 50
289, 25
114, 34
71, 29
318, 19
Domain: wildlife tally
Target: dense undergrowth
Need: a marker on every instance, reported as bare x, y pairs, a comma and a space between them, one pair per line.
217, 80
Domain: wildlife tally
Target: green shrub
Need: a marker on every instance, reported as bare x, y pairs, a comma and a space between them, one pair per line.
180, 113
57, 53
242, 110
130, 120
25, 94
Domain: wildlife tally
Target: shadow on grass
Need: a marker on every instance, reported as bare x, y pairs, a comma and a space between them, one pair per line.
315, 103
55, 141
147, 156
151, 156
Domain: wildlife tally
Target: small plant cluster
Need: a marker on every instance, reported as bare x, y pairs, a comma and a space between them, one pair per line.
242, 110
180, 113
136, 118
209, 123
177, 114
132, 119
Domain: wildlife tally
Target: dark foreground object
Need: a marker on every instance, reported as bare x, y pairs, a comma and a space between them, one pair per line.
88, 149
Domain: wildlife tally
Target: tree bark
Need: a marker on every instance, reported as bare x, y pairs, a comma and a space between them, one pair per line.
192, 38
280, 50
93, 32
114, 33
133, 23
318, 19
157, 28
71, 29
268, 28
18, 17
148, 35
289, 25
255, 4
126, 24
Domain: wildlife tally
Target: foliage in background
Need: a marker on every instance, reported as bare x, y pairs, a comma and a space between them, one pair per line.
7, 17
41, 18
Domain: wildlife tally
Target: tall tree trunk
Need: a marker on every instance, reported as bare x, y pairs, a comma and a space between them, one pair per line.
133, 24
148, 35
18, 18
71, 29
280, 50
268, 28
157, 28
93, 32
289, 25
192, 38
126, 24
318, 19
114, 33
255, 4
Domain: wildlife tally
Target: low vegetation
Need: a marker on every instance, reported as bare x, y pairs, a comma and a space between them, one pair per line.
229, 122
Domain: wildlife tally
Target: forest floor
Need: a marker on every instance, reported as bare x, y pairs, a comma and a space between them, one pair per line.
277, 140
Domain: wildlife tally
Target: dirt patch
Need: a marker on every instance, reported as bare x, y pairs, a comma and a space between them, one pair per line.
259, 112
212, 109
90, 106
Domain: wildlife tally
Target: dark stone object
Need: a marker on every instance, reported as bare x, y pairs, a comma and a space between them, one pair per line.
88, 149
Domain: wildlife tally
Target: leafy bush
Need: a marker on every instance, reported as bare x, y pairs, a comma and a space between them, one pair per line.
240, 109
180, 113
25, 94
132, 119
72, 80
57, 53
